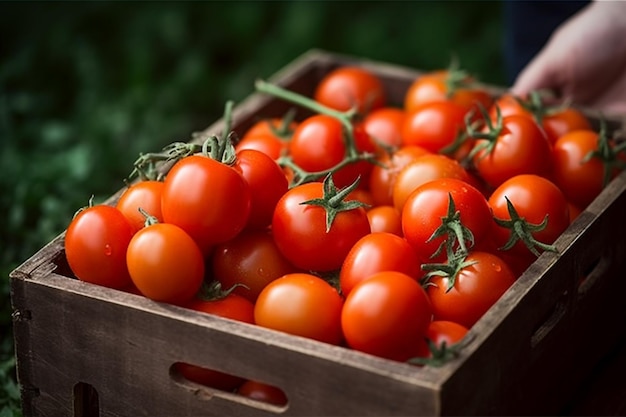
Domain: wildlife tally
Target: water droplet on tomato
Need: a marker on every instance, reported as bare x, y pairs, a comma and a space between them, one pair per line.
108, 250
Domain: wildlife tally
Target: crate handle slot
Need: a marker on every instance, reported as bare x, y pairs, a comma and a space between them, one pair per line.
598, 268
86, 400
554, 317
204, 391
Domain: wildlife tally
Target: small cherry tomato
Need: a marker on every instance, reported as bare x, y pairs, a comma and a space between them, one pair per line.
385, 219
349, 87
145, 195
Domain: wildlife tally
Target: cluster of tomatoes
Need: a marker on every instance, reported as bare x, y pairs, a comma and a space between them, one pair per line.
389, 229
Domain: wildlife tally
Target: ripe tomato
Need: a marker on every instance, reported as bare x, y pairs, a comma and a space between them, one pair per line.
165, 263
251, 259
262, 392
466, 297
422, 170
349, 87
446, 85
384, 125
535, 199
232, 307
561, 121
207, 199
145, 194
374, 253
385, 315
301, 304
384, 173
426, 212
267, 183
300, 230
442, 334
508, 104
385, 219
95, 246
581, 181
270, 136
434, 125
517, 147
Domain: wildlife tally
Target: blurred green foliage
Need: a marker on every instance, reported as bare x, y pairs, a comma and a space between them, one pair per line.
86, 86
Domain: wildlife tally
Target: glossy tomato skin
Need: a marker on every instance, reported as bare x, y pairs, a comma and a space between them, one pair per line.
477, 287
520, 148
385, 315
384, 173
350, 87
145, 195
262, 392
301, 304
165, 263
270, 136
440, 332
252, 260
233, 307
565, 120
384, 125
534, 198
581, 182
267, 183
434, 125
386, 219
300, 230
95, 243
422, 170
428, 205
377, 252
207, 199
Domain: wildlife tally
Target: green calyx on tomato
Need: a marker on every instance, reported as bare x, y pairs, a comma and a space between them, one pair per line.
455, 232
440, 354
609, 155
490, 135
523, 230
214, 291
333, 200
450, 269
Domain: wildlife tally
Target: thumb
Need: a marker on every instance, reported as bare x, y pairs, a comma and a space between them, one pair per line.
540, 73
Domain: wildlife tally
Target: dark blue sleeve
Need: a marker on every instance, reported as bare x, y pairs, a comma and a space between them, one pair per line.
528, 26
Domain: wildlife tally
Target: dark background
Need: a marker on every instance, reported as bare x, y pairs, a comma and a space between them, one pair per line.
86, 86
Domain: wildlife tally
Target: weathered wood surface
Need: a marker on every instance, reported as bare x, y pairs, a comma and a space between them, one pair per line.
527, 355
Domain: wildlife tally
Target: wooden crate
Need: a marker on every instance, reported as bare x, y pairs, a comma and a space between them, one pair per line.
85, 350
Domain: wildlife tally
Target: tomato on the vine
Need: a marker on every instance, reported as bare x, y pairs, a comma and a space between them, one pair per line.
249, 261
317, 235
441, 335
95, 245
385, 315
145, 195
374, 253
351, 87
301, 304
165, 263
208, 199
270, 136
384, 125
465, 296
560, 121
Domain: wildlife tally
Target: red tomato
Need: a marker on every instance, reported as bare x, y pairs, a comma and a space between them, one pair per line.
165, 263
262, 392
207, 199
434, 125
559, 122
95, 246
385, 219
384, 125
300, 230
301, 304
518, 147
267, 183
535, 199
251, 259
145, 195
385, 315
349, 87
508, 105
374, 253
384, 173
426, 212
442, 334
581, 181
270, 136
466, 297
446, 85
233, 307
422, 170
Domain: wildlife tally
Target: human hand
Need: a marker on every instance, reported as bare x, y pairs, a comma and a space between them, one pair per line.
584, 61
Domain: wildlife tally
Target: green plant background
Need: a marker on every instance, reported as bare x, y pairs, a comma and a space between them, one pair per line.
86, 86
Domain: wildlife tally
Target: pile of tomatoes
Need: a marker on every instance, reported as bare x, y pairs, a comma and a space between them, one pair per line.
388, 229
